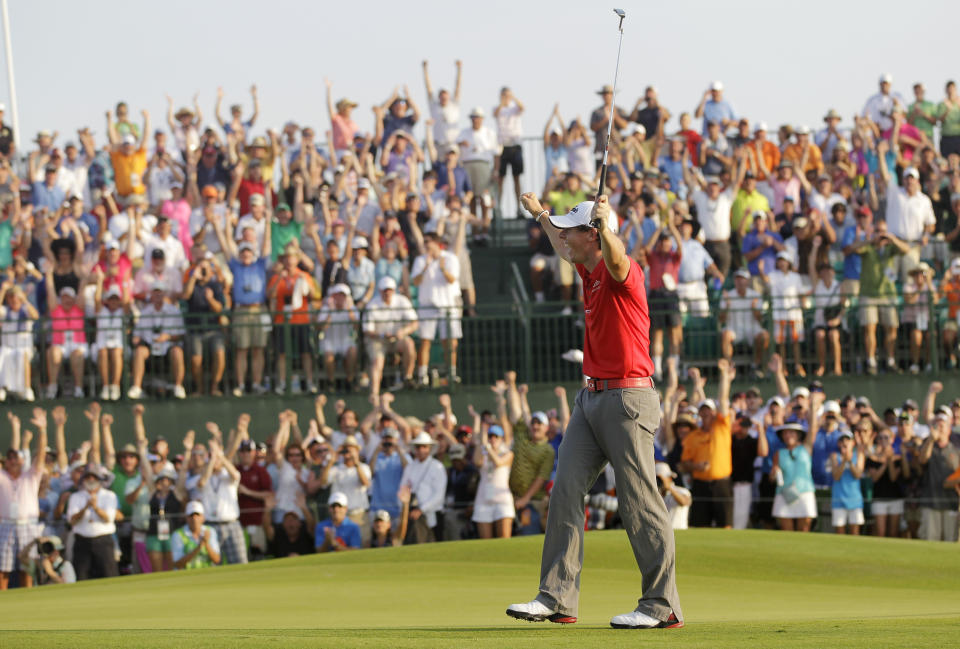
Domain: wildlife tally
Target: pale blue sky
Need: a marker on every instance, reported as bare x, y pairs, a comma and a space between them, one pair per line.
780, 62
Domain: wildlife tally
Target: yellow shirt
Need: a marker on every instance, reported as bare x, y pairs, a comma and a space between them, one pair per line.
711, 446
266, 165
128, 171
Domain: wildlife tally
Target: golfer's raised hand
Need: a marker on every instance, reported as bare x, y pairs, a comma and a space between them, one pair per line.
531, 203
601, 212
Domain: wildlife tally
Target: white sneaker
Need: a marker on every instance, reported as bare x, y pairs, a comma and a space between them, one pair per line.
77, 392
536, 611
238, 391
279, 389
28, 395
312, 387
638, 620
914, 369
259, 388
566, 311
3, 394
50, 392
115, 393
105, 393
135, 392
179, 392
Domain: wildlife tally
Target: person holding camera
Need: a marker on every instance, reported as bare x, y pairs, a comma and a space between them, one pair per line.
206, 301
158, 334
92, 511
52, 568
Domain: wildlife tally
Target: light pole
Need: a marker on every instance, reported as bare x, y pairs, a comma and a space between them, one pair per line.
13, 86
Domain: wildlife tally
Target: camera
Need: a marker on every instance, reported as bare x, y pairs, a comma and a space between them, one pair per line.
45, 548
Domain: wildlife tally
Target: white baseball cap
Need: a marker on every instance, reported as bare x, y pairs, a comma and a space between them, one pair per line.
129, 139
580, 215
386, 282
662, 469
113, 291
478, 112
708, 403
540, 416
337, 498
342, 289
886, 77
831, 406
360, 242
422, 439
801, 391
761, 126
194, 507
911, 171
716, 85
803, 129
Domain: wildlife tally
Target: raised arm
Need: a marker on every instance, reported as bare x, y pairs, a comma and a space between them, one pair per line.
256, 104
106, 431
614, 254
93, 415
563, 406
426, 80
727, 373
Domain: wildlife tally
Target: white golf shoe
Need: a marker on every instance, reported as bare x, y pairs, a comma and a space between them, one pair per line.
536, 611
638, 620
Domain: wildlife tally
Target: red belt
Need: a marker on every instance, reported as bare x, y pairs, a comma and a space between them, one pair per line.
599, 385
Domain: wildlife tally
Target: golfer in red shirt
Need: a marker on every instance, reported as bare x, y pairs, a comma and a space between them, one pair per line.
614, 420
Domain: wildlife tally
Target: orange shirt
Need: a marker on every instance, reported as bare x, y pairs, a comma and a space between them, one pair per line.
128, 171
713, 446
951, 288
284, 303
771, 157
794, 153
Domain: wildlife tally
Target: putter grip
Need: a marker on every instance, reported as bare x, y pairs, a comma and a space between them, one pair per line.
603, 181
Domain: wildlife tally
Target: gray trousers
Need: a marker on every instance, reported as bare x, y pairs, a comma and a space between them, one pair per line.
615, 426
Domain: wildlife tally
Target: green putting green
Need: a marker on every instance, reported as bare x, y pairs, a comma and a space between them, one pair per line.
750, 588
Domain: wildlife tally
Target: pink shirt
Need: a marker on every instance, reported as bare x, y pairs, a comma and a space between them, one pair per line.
18, 498
122, 278
783, 189
910, 131
344, 129
64, 321
179, 212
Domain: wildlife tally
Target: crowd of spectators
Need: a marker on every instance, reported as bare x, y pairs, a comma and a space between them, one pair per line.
846, 236
796, 461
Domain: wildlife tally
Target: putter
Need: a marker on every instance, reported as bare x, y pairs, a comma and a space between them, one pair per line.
613, 108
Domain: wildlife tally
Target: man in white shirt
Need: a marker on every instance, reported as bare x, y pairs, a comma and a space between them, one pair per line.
157, 270
19, 504
909, 214
676, 498
879, 107
159, 333
444, 110
364, 208
437, 274
479, 148
91, 512
389, 321
217, 488
741, 312
426, 478
338, 322
713, 211
509, 135
162, 239
351, 477
204, 216
255, 219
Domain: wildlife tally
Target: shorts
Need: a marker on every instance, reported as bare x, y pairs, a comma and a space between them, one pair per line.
795, 328
300, 338
841, 517
562, 269
489, 513
513, 156
337, 347
466, 272
14, 537
381, 348
446, 319
887, 507
480, 173
249, 328
154, 544
693, 298
747, 337
805, 506
878, 309
664, 309
67, 349
212, 341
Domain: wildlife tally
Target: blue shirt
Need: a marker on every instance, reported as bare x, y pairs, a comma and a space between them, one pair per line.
851, 263
360, 276
795, 466
555, 158
694, 262
845, 493
249, 282
461, 182
774, 444
346, 532
49, 197
673, 169
823, 446
386, 483
717, 111
751, 241
647, 227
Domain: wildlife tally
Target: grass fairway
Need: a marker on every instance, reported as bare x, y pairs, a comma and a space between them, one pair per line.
761, 589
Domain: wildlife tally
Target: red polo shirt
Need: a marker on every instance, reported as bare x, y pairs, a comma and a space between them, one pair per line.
254, 478
616, 343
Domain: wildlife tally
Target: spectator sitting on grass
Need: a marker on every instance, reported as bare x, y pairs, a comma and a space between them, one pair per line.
338, 532
195, 545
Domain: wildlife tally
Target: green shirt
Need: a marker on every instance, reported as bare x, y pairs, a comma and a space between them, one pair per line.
927, 107
281, 235
879, 271
949, 119
744, 206
6, 252
119, 487
530, 461
564, 201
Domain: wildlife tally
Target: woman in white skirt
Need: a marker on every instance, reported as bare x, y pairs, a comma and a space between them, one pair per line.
16, 341
493, 509
795, 505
